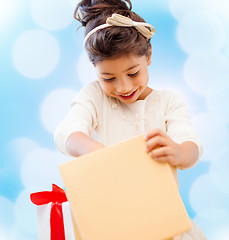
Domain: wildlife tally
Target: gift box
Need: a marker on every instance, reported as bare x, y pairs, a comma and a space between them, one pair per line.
120, 193
54, 217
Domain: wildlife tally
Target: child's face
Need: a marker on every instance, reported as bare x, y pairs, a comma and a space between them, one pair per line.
125, 77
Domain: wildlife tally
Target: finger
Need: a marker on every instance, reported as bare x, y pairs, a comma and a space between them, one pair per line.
163, 159
153, 133
169, 158
160, 152
152, 155
155, 142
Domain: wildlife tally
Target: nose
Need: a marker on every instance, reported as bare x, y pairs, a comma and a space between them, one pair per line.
124, 86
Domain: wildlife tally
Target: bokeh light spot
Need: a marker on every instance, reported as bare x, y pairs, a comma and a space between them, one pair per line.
201, 34
219, 172
40, 169
6, 212
52, 14
207, 75
214, 134
22, 146
25, 212
55, 107
85, 70
205, 199
8, 9
36, 53
217, 103
181, 8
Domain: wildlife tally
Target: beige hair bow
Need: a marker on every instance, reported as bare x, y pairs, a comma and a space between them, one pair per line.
146, 29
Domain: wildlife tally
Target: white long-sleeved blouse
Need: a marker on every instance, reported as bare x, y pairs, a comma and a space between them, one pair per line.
110, 121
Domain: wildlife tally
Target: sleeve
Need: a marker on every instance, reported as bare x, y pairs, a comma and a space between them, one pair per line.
177, 119
81, 117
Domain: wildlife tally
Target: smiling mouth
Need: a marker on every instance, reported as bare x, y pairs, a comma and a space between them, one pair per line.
128, 96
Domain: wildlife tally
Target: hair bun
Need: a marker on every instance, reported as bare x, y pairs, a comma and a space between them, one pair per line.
88, 10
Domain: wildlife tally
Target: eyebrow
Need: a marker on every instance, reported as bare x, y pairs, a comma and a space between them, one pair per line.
106, 73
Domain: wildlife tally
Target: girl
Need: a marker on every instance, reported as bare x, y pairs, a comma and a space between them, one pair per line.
120, 104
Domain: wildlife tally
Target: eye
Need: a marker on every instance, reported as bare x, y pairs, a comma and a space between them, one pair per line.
108, 79
133, 74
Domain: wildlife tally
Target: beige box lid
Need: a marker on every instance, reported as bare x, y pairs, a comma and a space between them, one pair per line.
120, 193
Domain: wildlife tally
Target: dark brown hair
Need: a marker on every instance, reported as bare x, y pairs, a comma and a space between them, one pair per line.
112, 41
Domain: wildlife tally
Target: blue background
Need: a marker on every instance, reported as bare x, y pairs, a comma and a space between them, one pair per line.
43, 65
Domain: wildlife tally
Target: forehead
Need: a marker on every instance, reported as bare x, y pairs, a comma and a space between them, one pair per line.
118, 64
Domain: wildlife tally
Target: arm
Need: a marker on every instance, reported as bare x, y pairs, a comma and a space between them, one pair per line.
79, 143
82, 118
163, 149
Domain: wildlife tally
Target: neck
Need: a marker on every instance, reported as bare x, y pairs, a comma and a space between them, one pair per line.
145, 93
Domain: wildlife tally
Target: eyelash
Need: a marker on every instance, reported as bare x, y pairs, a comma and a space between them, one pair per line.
108, 79
134, 74
130, 75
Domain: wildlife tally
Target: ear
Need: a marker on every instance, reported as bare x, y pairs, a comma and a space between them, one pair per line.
149, 56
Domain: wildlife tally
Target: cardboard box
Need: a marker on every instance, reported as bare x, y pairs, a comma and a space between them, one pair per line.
120, 193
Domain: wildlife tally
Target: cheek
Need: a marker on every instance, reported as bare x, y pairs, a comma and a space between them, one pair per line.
143, 79
107, 87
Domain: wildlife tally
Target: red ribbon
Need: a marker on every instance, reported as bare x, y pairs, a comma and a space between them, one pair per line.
57, 196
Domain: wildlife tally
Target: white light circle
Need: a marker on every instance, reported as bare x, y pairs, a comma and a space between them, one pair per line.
21, 234
217, 103
22, 146
181, 8
85, 70
223, 232
36, 53
214, 134
207, 75
7, 10
226, 46
52, 14
157, 5
40, 169
25, 212
200, 34
222, 7
3, 234
7, 215
219, 172
211, 227
73, 3
206, 199
55, 107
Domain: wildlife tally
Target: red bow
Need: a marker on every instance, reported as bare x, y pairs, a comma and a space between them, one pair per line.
57, 196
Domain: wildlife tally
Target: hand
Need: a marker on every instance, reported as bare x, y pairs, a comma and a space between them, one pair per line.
162, 148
